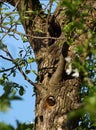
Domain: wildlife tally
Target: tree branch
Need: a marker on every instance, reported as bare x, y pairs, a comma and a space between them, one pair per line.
57, 76
32, 36
4, 70
5, 58
35, 5
19, 68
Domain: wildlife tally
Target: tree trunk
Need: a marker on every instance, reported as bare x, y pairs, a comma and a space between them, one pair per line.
57, 93
53, 106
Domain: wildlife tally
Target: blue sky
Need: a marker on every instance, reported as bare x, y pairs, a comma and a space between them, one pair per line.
20, 110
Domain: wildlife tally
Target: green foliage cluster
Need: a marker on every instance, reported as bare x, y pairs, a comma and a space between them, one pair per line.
12, 91
85, 59
20, 126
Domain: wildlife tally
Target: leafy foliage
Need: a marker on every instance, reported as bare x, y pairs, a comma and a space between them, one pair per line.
85, 56
5, 127
23, 126
12, 90
9, 94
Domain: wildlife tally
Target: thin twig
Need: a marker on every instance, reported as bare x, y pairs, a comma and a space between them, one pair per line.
20, 70
10, 12
4, 70
34, 37
5, 58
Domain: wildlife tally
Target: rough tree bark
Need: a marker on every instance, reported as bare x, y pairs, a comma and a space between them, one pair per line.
56, 92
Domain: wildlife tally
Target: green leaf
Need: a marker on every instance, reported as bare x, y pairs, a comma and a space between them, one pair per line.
4, 105
4, 126
34, 71
67, 4
21, 91
25, 126
30, 60
24, 39
27, 71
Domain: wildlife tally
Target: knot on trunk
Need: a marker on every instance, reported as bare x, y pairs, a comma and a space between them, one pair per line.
49, 102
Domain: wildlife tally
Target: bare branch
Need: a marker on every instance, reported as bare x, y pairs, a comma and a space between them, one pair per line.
4, 70
32, 36
21, 71
34, 5
3, 18
5, 58
19, 68
8, 31
57, 76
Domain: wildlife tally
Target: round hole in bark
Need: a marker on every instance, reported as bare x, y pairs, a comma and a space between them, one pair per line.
41, 118
51, 100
